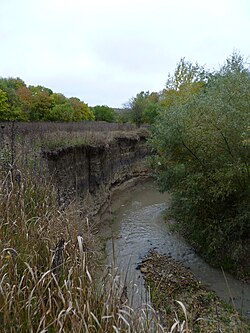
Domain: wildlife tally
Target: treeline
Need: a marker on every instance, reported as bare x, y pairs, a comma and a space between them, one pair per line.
201, 140
38, 103
35, 103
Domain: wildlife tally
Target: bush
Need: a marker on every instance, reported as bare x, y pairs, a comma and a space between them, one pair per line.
202, 156
103, 113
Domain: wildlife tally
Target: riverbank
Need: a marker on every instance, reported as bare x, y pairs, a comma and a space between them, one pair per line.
169, 281
89, 172
49, 250
136, 224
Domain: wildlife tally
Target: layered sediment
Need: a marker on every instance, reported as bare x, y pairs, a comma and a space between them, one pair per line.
90, 172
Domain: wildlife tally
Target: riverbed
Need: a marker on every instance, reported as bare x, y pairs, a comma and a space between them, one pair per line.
136, 225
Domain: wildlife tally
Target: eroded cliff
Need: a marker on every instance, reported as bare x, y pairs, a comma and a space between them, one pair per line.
90, 172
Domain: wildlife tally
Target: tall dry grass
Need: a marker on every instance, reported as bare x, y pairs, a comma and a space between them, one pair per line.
49, 258
40, 136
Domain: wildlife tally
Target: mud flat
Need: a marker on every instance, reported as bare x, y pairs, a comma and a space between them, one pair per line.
169, 281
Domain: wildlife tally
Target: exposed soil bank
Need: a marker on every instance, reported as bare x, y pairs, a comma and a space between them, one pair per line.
169, 281
90, 172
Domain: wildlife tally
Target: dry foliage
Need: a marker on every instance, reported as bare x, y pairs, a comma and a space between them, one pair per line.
49, 256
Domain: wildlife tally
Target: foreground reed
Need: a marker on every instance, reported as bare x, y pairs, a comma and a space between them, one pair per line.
49, 258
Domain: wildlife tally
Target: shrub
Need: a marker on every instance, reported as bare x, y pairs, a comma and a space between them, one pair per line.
202, 156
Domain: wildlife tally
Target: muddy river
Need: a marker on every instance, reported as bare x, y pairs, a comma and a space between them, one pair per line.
136, 225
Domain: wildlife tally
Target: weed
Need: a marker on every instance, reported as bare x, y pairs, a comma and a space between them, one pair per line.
49, 280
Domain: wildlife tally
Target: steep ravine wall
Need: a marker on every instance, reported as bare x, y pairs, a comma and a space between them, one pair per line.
90, 172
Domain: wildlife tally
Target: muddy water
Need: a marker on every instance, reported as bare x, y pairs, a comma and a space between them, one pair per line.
136, 225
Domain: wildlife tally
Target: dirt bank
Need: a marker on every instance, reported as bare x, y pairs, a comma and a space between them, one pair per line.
89, 172
169, 281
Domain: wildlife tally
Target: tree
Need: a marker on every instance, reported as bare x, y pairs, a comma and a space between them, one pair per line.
35, 90
14, 89
25, 101
152, 108
40, 103
202, 157
150, 113
61, 112
143, 108
81, 110
58, 98
187, 81
4, 106
103, 113
10, 86
41, 106
137, 106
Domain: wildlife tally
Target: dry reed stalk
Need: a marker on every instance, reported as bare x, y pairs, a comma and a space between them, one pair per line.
35, 295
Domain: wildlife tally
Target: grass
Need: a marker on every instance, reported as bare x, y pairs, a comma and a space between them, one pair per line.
43, 136
49, 256
50, 278
34, 297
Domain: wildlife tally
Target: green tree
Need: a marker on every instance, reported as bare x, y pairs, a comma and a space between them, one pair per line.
4, 106
104, 113
152, 108
35, 90
41, 106
143, 108
81, 110
58, 98
203, 158
137, 106
10, 87
187, 81
40, 103
61, 112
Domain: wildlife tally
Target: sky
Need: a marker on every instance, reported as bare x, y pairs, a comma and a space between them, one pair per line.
106, 51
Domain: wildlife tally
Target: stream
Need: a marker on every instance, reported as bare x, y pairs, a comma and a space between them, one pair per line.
136, 225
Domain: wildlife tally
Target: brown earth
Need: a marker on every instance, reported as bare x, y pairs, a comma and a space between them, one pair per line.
169, 281
90, 172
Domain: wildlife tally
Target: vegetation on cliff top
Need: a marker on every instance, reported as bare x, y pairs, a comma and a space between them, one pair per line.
44, 136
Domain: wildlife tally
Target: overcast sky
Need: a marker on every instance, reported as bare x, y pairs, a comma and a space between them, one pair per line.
106, 51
